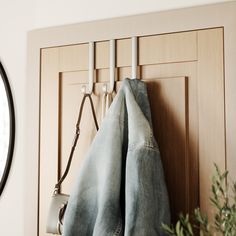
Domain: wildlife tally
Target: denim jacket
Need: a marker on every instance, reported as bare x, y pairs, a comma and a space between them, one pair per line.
121, 188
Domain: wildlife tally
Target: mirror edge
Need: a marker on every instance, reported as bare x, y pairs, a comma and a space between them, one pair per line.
12, 129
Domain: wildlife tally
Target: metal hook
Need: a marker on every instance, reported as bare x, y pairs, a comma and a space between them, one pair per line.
91, 70
104, 89
107, 93
134, 57
112, 68
112, 64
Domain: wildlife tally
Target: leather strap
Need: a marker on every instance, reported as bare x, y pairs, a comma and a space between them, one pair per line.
77, 133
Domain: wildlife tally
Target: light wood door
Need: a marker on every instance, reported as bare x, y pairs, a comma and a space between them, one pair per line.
184, 73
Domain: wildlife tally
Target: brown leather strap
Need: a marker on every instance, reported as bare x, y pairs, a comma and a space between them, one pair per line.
77, 133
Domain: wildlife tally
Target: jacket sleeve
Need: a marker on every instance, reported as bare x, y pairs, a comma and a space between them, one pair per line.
147, 204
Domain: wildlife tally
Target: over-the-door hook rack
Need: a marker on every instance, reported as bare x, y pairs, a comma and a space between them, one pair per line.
134, 57
91, 70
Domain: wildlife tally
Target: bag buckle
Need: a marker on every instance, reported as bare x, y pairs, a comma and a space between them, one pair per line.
60, 217
59, 228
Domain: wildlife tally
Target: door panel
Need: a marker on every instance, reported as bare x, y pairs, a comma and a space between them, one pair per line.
169, 106
211, 108
185, 81
49, 133
168, 48
71, 97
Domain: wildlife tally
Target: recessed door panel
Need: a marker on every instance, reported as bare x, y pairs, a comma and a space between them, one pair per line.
169, 106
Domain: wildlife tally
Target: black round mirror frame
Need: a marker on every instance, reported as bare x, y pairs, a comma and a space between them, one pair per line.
12, 129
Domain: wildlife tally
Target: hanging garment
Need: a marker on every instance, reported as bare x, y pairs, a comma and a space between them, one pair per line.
121, 189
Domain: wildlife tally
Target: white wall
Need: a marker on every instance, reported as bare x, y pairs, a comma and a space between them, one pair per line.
18, 17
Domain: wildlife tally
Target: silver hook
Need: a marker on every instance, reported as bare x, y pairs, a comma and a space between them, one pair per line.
112, 68
112, 64
107, 93
134, 57
91, 70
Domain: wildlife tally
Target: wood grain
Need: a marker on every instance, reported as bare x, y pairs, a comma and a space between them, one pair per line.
179, 47
211, 109
49, 133
169, 106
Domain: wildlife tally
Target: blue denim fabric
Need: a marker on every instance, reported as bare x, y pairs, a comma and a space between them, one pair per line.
121, 189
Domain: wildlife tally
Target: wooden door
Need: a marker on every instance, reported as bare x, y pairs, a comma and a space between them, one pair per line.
185, 78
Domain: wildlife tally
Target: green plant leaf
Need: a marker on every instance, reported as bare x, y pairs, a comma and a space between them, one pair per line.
177, 228
224, 207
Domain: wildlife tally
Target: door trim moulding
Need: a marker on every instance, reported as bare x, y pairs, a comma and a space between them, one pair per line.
187, 19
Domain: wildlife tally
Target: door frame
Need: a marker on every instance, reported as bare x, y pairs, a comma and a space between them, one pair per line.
201, 17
